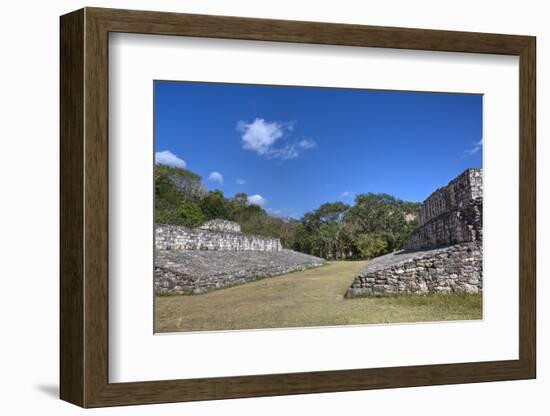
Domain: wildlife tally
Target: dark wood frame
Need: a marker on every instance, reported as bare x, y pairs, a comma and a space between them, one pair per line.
84, 207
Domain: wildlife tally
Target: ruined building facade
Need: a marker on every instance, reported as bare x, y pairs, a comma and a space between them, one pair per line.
443, 255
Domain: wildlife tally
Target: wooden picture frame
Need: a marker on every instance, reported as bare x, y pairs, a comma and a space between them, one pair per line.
84, 207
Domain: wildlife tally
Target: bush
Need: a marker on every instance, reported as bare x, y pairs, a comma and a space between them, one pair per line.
374, 225
190, 215
371, 245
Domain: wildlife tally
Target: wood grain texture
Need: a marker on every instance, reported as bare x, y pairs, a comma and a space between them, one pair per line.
71, 185
84, 207
527, 208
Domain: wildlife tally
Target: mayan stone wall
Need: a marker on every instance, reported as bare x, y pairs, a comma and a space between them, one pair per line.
452, 214
452, 269
176, 237
460, 225
460, 191
222, 225
218, 255
196, 271
443, 255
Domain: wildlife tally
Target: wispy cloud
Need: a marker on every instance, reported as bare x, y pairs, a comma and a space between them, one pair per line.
257, 199
474, 149
262, 137
166, 157
284, 153
347, 194
291, 151
307, 143
240, 181
215, 177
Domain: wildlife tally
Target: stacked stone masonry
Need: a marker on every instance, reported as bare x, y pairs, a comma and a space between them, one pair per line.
452, 214
221, 225
196, 271
452, 269
444, 255
459, 192
218, 255
459, 225
176, 237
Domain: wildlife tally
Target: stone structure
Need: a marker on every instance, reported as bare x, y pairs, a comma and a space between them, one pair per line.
196, 271
222, 225
443, 255
455, 268
465, 188
459, 225
452, 214
217, 255
216, 235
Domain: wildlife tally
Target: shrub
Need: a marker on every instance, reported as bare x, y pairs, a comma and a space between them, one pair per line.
371, 245
189, 214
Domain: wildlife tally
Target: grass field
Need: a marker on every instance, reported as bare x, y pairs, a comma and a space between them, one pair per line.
313, 297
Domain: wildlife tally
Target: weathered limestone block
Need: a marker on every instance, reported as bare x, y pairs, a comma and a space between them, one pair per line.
460, 191
459, 225
452, 214
196, 272
176, 237
217, 255
222, 225
443, 255
452, 269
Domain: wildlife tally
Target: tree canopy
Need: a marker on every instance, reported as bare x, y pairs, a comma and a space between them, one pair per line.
374, 225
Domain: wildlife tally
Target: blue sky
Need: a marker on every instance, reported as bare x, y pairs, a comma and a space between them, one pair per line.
293, 148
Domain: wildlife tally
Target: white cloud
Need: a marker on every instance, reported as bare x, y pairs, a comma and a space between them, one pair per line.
215, 177
263, 136
288, 152
346, 194
292, 151
306, 143
240, 181
257, 200
260, 135
166, 157
476, 148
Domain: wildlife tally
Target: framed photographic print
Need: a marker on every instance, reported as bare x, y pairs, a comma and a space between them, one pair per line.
255, 207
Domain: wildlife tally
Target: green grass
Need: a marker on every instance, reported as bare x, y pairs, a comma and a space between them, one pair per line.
313, 297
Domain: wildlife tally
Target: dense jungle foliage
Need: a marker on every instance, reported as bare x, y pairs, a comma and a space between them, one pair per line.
374, 225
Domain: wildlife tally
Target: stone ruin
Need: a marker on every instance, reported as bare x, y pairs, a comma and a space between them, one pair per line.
222, 225
452, 214
443, 255
214, 235
218, 255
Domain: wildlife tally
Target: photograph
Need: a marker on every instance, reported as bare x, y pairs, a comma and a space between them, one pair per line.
256, 204
288, 206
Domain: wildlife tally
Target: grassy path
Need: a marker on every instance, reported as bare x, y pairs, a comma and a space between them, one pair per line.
309, 298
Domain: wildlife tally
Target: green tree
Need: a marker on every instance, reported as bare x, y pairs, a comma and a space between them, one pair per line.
374, 225
385, 216
240, 199
214, 205
371, 245
190, 215
325, 226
